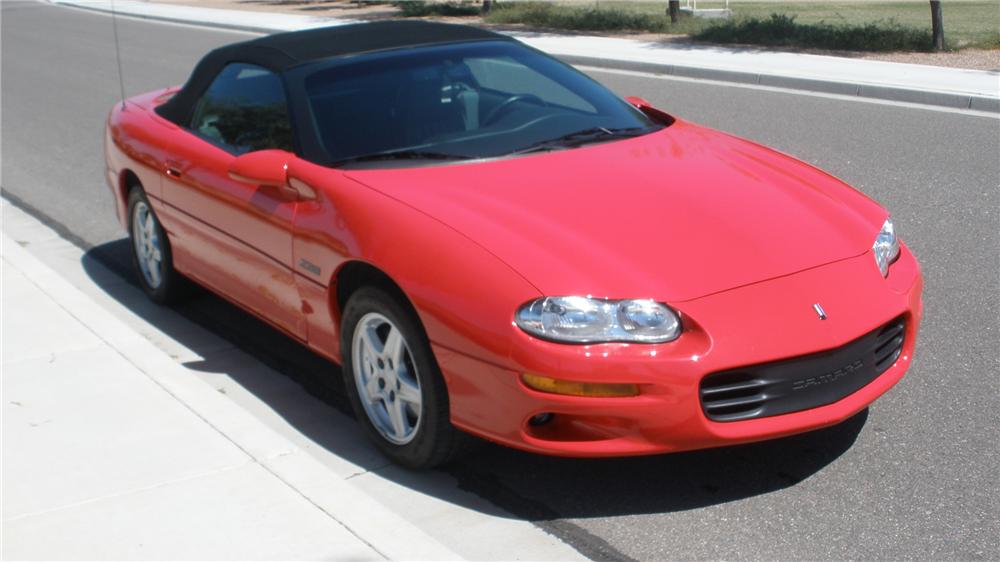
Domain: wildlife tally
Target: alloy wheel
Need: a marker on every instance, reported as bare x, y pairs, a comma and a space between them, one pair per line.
146, 239
387, 379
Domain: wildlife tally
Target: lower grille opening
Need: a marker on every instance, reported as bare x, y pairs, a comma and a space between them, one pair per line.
804, 382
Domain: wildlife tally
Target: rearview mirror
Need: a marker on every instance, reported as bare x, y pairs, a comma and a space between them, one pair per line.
261, 167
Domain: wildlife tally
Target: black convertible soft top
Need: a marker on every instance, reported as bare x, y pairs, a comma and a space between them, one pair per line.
284, 50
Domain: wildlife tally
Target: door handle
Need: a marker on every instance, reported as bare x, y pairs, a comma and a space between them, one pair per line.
173, 172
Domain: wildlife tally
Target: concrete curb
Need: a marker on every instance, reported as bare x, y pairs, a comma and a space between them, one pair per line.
887, 92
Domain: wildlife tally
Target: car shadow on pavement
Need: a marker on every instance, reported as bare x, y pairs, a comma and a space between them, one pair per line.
523, 485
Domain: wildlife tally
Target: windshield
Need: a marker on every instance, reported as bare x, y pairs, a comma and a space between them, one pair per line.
456, 102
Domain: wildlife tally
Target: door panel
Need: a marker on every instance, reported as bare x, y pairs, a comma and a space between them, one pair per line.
233, 236
237, 236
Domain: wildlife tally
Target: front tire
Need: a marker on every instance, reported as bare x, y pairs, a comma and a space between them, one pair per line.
151, 253
393, 382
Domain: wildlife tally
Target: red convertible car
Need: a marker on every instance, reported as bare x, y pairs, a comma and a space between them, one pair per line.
491, 243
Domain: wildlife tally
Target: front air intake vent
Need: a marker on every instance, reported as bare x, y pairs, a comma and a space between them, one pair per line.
733, 396
890, 345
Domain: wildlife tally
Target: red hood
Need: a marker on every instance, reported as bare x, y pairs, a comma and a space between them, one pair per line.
674, 215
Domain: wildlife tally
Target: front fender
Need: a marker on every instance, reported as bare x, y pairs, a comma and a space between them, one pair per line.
465, 296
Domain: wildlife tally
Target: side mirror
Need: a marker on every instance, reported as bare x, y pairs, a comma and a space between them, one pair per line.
639, 103
261, 167
644, 106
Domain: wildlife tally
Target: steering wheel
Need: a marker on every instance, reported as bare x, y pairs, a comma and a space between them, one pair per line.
505, 104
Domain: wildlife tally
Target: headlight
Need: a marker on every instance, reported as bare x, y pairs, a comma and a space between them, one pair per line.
589, 320
886, 247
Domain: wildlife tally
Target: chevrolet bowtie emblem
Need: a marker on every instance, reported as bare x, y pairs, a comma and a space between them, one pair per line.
819, 311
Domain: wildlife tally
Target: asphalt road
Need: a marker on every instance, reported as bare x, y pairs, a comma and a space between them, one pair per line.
916, 476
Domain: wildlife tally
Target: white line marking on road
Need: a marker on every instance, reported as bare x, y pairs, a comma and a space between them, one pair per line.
776, 89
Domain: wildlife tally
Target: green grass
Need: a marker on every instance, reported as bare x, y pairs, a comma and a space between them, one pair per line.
989, 42
875, 24
966, 23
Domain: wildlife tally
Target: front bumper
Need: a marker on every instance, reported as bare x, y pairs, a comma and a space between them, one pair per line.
757, 324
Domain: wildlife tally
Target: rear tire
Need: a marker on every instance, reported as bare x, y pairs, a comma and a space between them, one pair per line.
151, 252
393, 382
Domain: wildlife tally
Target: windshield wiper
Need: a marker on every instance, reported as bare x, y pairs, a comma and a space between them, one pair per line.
403, 155
579, 138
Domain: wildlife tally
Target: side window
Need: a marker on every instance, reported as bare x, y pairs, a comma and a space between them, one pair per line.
244, 110
510, 77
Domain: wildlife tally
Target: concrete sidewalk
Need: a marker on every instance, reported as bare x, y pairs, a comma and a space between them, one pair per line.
114, 449
932, 85
111, 451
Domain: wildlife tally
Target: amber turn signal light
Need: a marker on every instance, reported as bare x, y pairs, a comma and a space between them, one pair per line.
570, 388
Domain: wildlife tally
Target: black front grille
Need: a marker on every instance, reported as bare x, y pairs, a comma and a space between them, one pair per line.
800, 383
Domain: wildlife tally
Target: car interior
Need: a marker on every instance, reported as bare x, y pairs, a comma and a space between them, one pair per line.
434, 104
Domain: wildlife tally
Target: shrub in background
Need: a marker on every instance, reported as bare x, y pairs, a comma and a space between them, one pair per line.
781, 30
417, 9
580, 18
